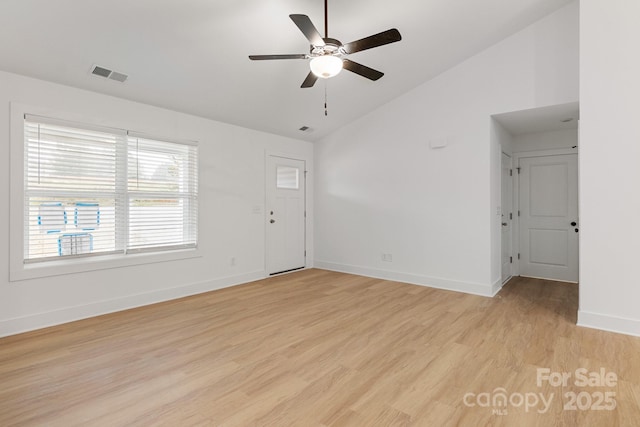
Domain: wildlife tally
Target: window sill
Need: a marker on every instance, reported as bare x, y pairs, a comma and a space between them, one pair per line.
104, 262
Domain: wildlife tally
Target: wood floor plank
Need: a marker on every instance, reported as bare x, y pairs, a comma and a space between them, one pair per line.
320, 348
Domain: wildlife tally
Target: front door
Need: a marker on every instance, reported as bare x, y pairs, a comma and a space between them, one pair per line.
549, 217
285, 214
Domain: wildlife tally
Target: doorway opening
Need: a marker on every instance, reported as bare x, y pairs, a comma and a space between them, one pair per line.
541, 239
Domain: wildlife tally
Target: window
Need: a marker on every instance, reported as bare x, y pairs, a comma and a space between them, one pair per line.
287, 177
95, 191
162, 194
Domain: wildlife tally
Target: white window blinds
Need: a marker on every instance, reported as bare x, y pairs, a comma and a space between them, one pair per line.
94, 191
162, 194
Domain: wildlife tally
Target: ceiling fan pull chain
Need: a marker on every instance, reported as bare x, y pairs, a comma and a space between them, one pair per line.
325, 98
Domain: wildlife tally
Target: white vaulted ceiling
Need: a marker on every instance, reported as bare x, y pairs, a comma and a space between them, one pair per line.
191, 55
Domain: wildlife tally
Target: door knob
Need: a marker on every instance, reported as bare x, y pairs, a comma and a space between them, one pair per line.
573, 223
504, 224
272, 221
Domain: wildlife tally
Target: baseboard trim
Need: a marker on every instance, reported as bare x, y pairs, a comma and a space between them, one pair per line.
484, 290
497, 286
609, 323
71, 314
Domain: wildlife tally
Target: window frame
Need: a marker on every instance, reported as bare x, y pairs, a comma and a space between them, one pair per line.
18, 269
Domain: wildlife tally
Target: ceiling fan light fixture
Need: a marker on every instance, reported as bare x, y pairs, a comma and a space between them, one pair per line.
326, 66
328, 54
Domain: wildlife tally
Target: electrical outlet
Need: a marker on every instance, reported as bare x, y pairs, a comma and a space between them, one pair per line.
387, 258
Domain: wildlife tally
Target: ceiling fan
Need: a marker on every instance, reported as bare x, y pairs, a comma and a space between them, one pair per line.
328, 55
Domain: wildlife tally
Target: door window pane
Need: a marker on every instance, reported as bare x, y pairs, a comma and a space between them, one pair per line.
287, 177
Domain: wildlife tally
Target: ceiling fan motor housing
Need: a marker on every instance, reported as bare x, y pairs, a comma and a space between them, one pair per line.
331, 47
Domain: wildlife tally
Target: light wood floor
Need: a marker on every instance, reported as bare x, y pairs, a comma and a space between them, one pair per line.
318, 348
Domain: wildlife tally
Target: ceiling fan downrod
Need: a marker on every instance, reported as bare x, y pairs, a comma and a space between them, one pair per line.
326, 19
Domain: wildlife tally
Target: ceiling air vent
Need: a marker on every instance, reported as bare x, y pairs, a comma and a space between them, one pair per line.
304, 128
108, 74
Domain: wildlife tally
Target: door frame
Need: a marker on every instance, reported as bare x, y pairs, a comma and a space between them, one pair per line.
513, 220
308, 246
515, 234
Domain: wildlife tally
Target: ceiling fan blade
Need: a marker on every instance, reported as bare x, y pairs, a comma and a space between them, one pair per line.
266, 57
375, 40
362, 70
308, 29
310, 80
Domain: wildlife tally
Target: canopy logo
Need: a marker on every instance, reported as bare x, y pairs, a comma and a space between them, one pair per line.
500, 401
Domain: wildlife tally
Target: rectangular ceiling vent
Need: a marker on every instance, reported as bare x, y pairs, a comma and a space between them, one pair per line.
99, 71
304, 128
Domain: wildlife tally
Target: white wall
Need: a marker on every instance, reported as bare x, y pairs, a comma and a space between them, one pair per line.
232, 163
381, 189
502, 137
549, 140
609, 165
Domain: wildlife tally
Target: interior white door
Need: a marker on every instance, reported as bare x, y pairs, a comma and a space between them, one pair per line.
506, 207
549, 217
285, 214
